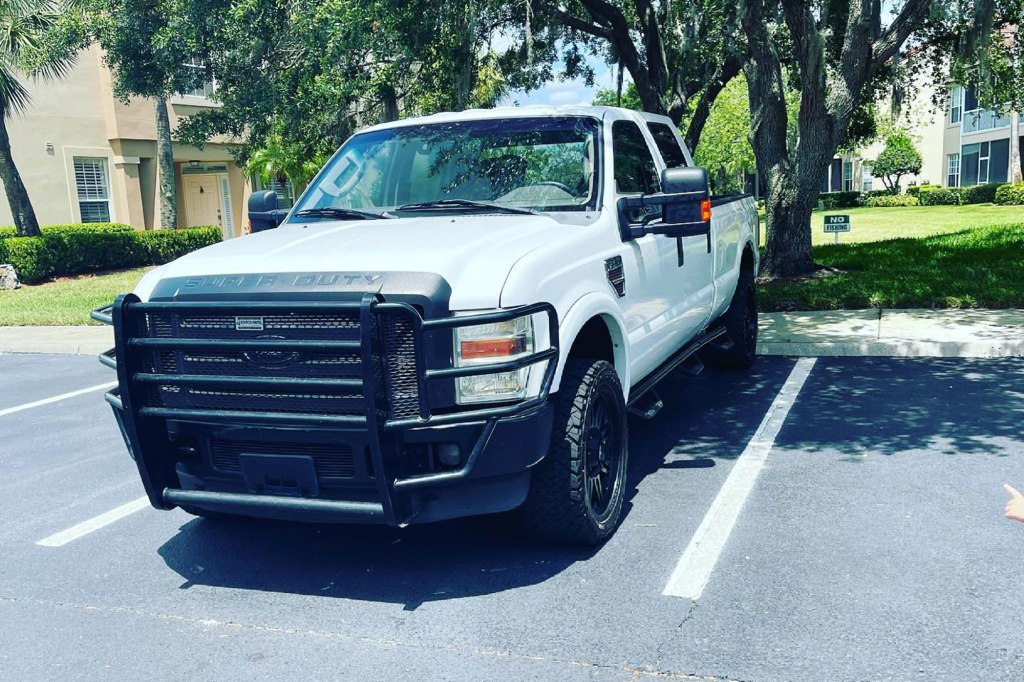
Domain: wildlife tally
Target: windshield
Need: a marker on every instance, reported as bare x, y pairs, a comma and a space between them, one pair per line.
542, 164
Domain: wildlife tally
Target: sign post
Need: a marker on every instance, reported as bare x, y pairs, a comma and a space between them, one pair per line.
836, 224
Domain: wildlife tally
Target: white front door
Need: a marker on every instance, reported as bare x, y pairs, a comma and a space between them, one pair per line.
203, 201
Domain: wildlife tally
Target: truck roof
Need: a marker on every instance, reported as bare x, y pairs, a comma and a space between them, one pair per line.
537, 110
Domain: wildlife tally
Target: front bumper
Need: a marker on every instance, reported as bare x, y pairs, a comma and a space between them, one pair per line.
375, 467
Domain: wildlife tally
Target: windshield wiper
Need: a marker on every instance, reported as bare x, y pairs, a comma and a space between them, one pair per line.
464, 205
336, 212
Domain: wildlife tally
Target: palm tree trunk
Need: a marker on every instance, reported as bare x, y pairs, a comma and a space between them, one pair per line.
165, 162
17, 196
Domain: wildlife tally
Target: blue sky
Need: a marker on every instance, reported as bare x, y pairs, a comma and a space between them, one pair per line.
568, 92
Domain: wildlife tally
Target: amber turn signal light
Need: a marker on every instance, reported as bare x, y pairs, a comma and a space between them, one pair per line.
490, 348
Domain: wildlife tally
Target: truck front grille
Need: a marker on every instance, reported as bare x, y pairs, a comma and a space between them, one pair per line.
393, 369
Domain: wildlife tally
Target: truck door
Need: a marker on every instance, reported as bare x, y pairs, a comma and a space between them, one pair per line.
689, 284
645, 308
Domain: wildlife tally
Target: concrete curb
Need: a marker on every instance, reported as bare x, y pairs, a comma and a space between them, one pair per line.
81, 340
894, 349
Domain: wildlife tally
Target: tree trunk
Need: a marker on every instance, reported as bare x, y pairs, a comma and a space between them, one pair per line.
390, 100
165, 165
17, 196
788, 207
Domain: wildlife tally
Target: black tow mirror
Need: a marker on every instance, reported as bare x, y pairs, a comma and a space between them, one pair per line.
685, 203
263, 211
690, 180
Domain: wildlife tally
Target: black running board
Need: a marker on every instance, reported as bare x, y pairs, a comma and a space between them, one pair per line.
682, 355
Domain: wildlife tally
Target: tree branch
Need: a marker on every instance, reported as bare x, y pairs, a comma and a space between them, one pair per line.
909, 18
728, 70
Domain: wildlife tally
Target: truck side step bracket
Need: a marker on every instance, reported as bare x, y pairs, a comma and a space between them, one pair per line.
723, 343
692, 366
648, 408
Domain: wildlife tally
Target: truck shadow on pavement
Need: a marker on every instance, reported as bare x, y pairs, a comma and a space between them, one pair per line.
705, 419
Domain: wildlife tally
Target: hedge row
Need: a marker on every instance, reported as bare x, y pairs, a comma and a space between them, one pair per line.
831, 200
1010, 195
928, 195
891, 201
74, 249
958, 196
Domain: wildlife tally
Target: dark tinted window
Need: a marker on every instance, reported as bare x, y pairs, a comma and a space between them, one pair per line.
667, 144
635, 170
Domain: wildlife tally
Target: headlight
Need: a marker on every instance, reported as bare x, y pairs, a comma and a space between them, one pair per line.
488, 344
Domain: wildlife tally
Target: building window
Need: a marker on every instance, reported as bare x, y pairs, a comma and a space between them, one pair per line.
93, 189
867, 178
282, 187
847, 176
953, 170
209, 85
956, 104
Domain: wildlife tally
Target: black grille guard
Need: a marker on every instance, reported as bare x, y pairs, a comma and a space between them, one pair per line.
135, 417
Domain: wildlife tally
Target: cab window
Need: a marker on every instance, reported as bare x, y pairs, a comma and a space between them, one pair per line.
635, 170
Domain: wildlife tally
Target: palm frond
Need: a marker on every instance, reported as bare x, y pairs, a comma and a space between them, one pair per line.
14, 98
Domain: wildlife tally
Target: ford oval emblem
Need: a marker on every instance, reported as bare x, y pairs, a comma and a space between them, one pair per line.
271, 359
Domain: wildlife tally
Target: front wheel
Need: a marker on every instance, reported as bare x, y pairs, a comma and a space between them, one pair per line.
577, 490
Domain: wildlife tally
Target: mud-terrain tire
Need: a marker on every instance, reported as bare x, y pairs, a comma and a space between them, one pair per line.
741, 326
577, 490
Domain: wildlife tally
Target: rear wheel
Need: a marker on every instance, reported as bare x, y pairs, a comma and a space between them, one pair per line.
577, 490
741, 326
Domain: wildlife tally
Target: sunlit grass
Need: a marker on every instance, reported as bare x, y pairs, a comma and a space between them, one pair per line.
67, 301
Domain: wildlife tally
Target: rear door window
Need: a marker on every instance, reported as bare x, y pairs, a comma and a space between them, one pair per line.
667, 144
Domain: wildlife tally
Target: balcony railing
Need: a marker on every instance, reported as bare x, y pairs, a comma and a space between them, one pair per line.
978, 120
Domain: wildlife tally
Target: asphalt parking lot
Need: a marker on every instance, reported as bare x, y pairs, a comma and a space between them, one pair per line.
861, 538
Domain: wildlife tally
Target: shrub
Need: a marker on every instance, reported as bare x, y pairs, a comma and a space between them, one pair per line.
1010, 195
832, 200
915, 190
6, 232
941, 196
900, 157
981, 194
71, 249
892, 200
878, 193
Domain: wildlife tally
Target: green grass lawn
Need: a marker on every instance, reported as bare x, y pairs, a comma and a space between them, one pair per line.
975, 268
67, 301
876, 224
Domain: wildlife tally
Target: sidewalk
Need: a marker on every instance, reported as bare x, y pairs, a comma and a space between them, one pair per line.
888, 333
914, 332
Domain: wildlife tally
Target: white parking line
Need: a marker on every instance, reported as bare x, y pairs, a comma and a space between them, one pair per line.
694, 569
56, 399
95, 523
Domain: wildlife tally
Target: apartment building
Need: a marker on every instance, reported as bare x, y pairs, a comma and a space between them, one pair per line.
980, 145
87, 157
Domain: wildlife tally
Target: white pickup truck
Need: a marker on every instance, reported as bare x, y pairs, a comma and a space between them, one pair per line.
455, 318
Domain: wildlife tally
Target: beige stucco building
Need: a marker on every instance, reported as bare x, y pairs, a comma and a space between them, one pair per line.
86, 157
979, 145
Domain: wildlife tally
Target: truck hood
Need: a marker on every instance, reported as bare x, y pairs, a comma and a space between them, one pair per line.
474, 254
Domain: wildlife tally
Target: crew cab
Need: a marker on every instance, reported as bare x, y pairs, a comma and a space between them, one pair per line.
455, 318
